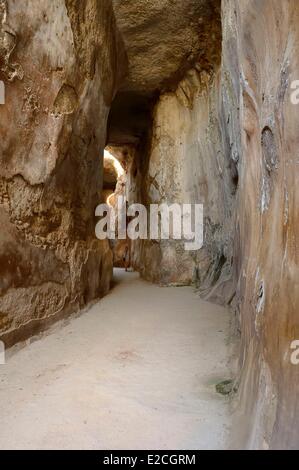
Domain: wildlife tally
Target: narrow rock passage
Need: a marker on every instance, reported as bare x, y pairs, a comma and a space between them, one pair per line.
138, 370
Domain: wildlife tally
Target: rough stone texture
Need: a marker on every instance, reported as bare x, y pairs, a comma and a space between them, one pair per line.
61, 63
225, 136
186, 133
188, 153
261, 60
232, 144
165, 38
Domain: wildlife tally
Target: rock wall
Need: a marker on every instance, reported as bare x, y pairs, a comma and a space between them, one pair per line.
221, 134
185, 147
260, 61
61, 63
188, 153
228, 139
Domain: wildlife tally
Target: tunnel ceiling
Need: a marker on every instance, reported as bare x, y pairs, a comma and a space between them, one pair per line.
163, 39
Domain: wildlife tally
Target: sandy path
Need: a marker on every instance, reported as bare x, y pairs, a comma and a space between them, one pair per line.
136, 371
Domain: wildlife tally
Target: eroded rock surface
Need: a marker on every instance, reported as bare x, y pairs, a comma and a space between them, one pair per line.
164, 39
227, 137
187, 154
260, 63
61, 63
202, 116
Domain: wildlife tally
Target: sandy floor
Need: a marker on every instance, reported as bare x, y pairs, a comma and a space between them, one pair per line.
137, 371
